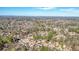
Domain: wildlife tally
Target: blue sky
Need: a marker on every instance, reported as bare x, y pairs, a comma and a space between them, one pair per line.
39, 11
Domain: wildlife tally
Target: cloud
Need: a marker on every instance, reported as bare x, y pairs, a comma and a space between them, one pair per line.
70, 10
67, 9
45, 8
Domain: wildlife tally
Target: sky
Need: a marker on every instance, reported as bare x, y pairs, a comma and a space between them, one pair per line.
39, 11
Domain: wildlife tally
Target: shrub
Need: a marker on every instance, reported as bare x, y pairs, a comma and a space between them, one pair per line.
74, 30
5, 40
37, 37
50, 35
43, 48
